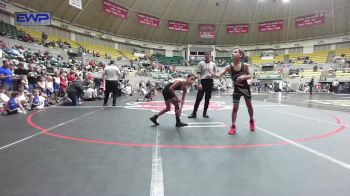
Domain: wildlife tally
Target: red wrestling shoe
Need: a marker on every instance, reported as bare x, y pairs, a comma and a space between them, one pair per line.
232, 130
251, 125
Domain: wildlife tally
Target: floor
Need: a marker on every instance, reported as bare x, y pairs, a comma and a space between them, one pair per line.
298, 148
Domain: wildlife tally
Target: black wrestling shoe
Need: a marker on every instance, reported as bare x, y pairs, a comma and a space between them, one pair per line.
154, 120
205, 115
181, 124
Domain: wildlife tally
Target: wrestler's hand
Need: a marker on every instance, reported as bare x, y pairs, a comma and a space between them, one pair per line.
240, 79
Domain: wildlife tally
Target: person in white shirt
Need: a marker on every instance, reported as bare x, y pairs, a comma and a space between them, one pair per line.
23, 95
89, 94
335, 85
205, 70
3, 97
56, 85
37, 101
49, 88
111, 77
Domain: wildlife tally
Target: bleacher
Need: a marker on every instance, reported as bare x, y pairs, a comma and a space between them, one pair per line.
319, 56
10, 30
316, 57
101, 50
221, 61
114, 53
128, 54
169, 60
309, 74
37, 35
340, 74
340, 51
256, 60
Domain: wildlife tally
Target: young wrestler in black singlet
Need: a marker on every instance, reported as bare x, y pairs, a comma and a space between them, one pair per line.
171, 98
239, 74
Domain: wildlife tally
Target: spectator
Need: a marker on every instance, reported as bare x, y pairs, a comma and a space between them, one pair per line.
41, 83
335, 85
36, 101
20, 71
14, 105
326, 88
23, 96
311, 85
56, 85
149, 95
63, 83
111, 76
24, 81
97, 82
44, 38
71, 77
32, 78
75, 91
49, 88
6, 75
3, 98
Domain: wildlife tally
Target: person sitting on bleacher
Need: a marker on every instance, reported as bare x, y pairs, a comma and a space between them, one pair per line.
36, 101
6, 75
75, 91
90, 93
71, 77
41, 83
56, 85
49, 89
149, 95
14, 105
63, 82
3, 98
23, 96
44, 38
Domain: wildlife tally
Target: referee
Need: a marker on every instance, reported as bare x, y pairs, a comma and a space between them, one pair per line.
205, 70
111, 77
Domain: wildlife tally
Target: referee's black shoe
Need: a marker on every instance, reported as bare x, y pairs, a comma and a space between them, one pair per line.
193, 115
205, 115
181, 124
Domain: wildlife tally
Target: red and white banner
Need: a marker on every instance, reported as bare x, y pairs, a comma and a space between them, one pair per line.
207, 31
310, 20
271, 26
148, 20
178, 26
114, 9
237, 28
